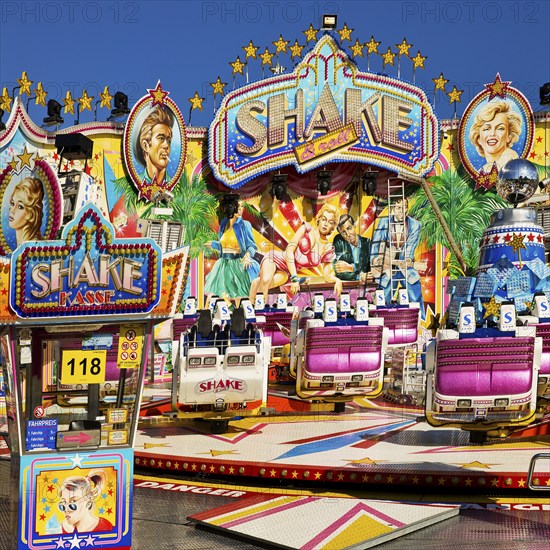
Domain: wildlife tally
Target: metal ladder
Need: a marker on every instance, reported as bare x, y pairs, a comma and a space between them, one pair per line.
396, 193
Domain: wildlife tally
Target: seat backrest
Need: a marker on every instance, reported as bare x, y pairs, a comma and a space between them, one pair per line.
204, 323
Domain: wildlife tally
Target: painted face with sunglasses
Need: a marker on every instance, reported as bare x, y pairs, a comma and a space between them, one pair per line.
77, 502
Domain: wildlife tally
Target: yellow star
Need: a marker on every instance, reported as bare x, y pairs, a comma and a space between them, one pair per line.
357, 48
280, 44
295, 474
106, 98
517, 242
266, 57
196, 101
365, 460
440, 82
454, 95
345, 33
273, 473
296, 49
418, 61
403, 48
521, 483
158, 95
13, 164
25, 84
25, 157
497, 88
388, 57
5, 100
85, 101
69, 102
317, 475
475, 464
40, 95
492, 307
311, 33
218, 86
250, 50
237, 65
372, 45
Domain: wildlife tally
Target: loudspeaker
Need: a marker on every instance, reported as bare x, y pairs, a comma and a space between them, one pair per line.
74, 146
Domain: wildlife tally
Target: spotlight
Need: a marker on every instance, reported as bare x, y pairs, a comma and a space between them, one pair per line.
230, 205
368, 181
329, 22
121, 105
544, 184
278, 186
323, 181
54, 114
2, 125
544, 93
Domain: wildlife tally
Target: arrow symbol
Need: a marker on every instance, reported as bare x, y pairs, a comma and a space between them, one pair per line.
78, 438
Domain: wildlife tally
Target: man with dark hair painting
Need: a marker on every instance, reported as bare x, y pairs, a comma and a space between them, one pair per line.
152, 148
352, 262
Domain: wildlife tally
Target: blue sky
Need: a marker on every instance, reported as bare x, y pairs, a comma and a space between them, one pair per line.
129, 45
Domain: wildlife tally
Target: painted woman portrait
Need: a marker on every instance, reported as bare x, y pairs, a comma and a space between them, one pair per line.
495, 130
236, 267
309, 248
26, 206
77, 501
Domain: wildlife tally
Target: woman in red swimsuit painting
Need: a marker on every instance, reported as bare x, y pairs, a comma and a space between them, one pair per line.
309, 248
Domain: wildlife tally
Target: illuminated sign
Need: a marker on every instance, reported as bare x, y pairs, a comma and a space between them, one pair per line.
326, 110
88, 272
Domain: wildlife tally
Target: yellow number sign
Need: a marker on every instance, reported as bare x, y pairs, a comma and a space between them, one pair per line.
83, 367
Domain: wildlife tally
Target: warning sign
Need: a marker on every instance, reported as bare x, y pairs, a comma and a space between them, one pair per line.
130, 346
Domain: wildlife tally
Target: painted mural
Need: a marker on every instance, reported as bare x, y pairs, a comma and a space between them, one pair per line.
332, 235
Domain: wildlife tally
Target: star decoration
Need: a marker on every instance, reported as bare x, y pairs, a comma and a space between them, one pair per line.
25, 84
278, 69
5, 100
403, 48
475, 464
250, 50
218, 86
13, 163
497, 88
85, 101
517, 242
418, 60
75, 541
196, 101
454, 95
434, 324
89, 540
40, 95
388, 57
238, 66
77, 460
372, 45
311, 34
440, 82
492, 307
106, 98
296, 49
357, 48
25, 157
487, 180
266, 57
158, 95
345, 33
69, 102
280, 44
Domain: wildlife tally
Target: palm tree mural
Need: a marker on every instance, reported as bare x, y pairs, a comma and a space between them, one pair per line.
466, 211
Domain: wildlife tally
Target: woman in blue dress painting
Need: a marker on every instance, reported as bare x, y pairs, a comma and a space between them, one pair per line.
236, 267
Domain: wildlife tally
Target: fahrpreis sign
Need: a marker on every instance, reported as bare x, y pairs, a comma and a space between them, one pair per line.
88, 272
326, 110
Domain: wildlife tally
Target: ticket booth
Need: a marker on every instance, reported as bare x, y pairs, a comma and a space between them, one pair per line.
73, 364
